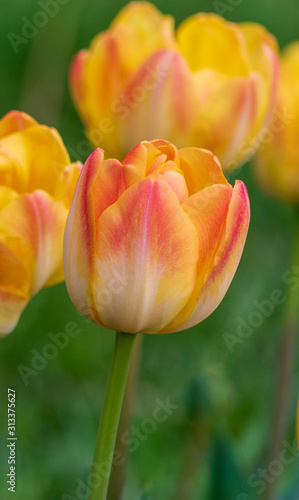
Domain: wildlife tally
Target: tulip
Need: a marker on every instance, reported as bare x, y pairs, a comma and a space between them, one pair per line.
212, 84
36, 186
277, 162
152, 243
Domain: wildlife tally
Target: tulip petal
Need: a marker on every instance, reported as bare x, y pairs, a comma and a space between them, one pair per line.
15, 121
137, 157
159, 97
163, 147
263, 54
201, 169
71, 175
177, 183
207, 210
226, 259
226, 116
34, 225
14, 292
142, 30
207, 41
99, 77
6, 196
12, 306
33, 159
146, 259
78, 84
153, 157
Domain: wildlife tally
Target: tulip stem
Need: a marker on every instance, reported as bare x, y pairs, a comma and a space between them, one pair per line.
105, 442
118, 472
285, 365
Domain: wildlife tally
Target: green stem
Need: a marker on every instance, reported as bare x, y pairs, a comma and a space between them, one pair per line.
105, 442
285, 369
118, 472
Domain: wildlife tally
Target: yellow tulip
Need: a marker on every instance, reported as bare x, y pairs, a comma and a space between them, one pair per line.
36, 187
277, 162
152, 243
212, 84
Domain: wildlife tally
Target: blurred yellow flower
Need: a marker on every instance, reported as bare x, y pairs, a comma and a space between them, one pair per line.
277, 162
152, 243
212, 84
37, 182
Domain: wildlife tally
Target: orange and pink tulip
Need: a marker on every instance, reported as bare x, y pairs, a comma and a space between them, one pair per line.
211, 84
37, 183
152, 243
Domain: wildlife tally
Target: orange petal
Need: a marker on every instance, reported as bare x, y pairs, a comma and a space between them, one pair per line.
146, 259
78, 84
32, 227
14, 289
207, 210
226, 259
158, 101
201, 169
15, 121
78, 252
177, 183
12, 305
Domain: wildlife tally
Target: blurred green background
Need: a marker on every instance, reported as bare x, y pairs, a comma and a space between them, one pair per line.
224, 399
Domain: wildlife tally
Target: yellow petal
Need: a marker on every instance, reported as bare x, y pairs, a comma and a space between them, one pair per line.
71, 175
32, 227
264, 62
15, 121
142, 30
14, 288
33, 159
201, 169
208, 41
12, 305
